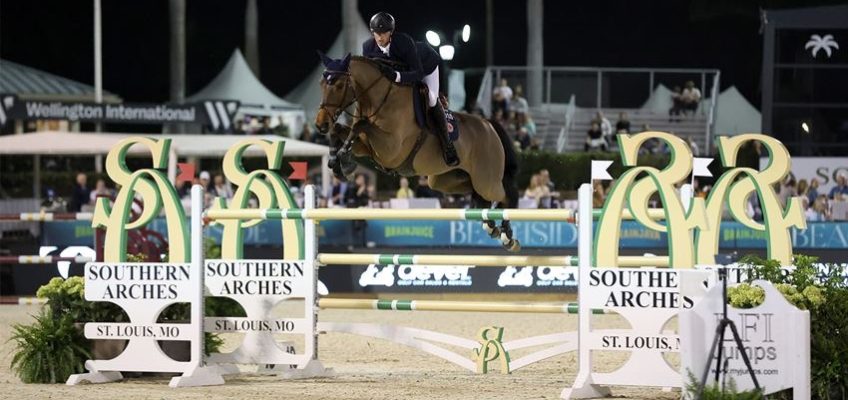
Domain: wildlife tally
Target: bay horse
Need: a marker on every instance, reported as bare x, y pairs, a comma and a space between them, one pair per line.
385, 131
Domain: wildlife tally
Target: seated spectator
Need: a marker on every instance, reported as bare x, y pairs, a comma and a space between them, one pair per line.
424, 190
519, 103
523, 120
595, 138
693, 146
676, 105
100, 190
606, 126
813, 191
537, 190
358, 195
501, 96
522, 138
221, 188
337, 192
598, 194
690, 97
623, 124
803, 189
820, 211
840, 191
306, 133
787, 191
404, 192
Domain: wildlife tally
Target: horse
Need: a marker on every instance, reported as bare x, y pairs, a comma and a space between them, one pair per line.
385, 131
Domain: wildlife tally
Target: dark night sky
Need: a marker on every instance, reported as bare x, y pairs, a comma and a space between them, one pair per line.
56, 36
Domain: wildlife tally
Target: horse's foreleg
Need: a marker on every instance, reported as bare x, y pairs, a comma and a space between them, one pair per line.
488, 225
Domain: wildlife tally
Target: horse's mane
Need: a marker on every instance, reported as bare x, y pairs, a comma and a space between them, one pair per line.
374, 62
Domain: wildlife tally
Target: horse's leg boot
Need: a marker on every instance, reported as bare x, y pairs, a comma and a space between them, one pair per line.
438, 115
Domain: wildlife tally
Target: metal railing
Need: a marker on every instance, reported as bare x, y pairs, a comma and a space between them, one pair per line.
565, 131
597, 87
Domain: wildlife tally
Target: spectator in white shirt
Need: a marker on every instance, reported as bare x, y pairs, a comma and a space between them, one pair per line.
501, 96
518, 102
690, 97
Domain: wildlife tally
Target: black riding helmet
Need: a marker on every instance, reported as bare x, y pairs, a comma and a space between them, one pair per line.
382, 22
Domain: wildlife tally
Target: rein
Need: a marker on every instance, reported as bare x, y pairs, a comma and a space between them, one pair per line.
342, 108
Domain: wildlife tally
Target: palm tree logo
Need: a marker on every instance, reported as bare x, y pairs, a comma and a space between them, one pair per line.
825, 43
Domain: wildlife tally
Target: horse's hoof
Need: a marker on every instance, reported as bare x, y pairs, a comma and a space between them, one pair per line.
493, 231
513, 246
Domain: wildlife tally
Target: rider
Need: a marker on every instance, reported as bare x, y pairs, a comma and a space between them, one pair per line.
423, 65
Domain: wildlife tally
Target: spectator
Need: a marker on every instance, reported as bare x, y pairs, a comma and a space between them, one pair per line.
404, 192
803, 189
501, 96
81, 195
840, 191
693, 146
598, 194
519, 103
623, 124
337, 192
690, 97
676, 105
595, 138
207, 188
358, 195
523, 120
424, 191
265, 128
222, 188
306, 133
522, 138
100, 189
546, 179
537, 190
606, 126
813, 191
819, 211
787, 191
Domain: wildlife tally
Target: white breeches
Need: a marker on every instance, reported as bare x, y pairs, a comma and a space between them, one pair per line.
432, 82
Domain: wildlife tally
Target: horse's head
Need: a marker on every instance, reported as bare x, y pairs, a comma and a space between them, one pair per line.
336, 91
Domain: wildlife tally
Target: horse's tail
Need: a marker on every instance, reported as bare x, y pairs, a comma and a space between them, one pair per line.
510, 159
510, 164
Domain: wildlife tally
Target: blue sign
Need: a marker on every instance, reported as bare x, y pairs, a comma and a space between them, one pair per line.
544, 234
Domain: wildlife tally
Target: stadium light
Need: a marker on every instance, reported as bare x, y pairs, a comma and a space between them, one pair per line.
805, 127
433, 38
446, 52
466, 33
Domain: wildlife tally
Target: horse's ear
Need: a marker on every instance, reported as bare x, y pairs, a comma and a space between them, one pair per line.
346, 61
324, 59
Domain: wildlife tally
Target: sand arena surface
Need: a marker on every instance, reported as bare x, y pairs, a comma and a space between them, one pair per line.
365, 368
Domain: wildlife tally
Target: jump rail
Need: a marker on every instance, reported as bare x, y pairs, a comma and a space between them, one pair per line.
443, 214
45, 216
32, 259
441, 305
477, 260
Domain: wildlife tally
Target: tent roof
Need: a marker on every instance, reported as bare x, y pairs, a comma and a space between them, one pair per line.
307, 93
237, 82
32, 84
76, 143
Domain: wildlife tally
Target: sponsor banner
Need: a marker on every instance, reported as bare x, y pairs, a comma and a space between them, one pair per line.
217, 114
818, 235
823, 169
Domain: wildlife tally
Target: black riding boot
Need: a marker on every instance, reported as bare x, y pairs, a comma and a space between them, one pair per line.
438, 115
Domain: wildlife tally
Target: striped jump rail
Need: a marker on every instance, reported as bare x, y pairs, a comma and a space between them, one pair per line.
31, 259
477, 260
41, 217
442, 305
438, 214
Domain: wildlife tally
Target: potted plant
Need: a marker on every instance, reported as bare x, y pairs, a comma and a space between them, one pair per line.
49, 350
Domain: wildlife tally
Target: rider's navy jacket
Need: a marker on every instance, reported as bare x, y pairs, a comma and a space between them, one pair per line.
420, 58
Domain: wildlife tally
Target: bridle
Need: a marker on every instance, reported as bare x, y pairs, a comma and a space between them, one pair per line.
342, 107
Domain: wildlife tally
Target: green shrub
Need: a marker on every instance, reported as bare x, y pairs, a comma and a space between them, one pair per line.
49, 350
713, 391
825, 295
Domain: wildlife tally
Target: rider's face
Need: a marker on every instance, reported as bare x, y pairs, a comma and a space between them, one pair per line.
382, 39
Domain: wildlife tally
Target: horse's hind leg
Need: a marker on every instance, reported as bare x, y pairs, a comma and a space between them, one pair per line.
510, 201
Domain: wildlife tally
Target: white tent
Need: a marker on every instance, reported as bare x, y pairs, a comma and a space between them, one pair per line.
237, 82
735, 115
186, 145
308, 94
